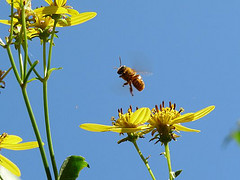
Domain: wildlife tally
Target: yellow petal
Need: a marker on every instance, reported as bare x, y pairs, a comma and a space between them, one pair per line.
16, 3
128, 130
72, 12
179, 127
8, 22
11, 139
9, 165
95, 127
61, 2
20, 146
203, 112
50, 2
140, 116
183, 118
77, 19
51, 10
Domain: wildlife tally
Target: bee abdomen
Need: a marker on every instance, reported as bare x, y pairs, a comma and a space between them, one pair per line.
138, 82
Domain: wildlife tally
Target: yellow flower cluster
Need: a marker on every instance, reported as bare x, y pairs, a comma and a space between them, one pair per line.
164, 120
40, 21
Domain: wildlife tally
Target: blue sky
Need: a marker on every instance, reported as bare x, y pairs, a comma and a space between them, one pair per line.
192, 49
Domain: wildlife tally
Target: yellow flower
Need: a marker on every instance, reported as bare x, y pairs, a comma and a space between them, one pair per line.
37, 21
13, 142
167, 119
126, 123
57, 7
60, 7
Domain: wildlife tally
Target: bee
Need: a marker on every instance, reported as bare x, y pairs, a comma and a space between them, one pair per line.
131, 77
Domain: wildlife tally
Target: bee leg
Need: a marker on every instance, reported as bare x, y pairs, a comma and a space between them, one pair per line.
131, 89
126, 83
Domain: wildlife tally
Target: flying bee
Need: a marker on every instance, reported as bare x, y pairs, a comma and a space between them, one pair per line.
131, 77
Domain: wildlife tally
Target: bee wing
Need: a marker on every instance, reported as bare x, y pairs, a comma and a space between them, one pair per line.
145, 73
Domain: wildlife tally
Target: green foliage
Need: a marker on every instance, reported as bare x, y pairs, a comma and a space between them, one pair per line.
177, 173
236, 136
71, 167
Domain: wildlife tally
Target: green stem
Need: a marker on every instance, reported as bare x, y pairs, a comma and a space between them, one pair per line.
45, 100
11, 27
51, 45
143, 159
29, 71
36, 131
13, 64
48, 130
20, 62
167, 155
34, 70
25, 43
44, 58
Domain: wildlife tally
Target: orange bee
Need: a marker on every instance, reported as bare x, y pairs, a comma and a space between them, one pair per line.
131, 76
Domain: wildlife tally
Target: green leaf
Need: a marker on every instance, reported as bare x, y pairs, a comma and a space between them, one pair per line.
51, 70
236, 136
177, 173
71, 167
33, 79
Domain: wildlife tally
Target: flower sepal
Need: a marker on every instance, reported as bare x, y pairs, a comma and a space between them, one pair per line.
132, 137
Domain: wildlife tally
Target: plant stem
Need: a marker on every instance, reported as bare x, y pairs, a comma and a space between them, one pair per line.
34, 70
48, 130
143, 159
25, 43
45, 100
36, 131
11, 27
51, 45
13, 64
20, 62
44, 59
167, 155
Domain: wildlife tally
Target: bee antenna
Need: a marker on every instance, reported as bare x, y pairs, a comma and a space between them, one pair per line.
120, 61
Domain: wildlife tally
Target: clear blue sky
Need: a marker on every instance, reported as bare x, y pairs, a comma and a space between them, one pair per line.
192, 49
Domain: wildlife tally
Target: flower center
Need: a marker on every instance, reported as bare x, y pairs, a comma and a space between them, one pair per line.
123, 120
164, 115
161, 120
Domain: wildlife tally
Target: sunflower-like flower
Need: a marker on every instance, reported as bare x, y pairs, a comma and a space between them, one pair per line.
57, 7
166, 120
126, 123
13, 142
70, 16
40, 21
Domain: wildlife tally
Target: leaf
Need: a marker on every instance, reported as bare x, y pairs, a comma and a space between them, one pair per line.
33, 79
236, 136
71, 167
177, 173
54, 69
